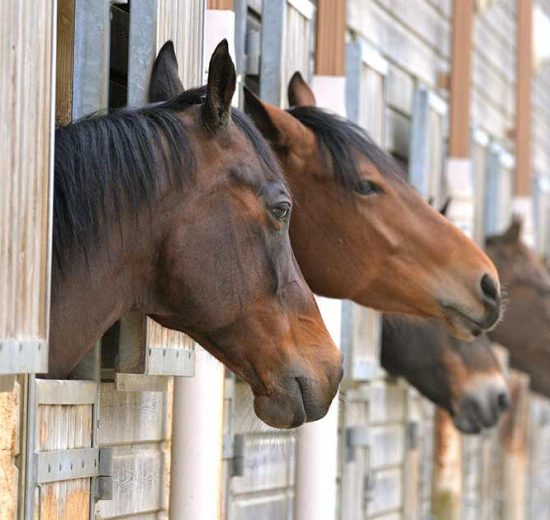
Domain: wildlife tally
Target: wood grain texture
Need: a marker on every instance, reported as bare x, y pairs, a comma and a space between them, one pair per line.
131, 417
523, 97
10, 408
331, 38
220, 4
61, 427
25, 83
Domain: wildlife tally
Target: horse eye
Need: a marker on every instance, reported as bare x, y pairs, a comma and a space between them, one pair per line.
365, 187
281, 211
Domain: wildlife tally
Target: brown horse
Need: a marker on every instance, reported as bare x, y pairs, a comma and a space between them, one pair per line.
525, 329
463, 378
359, 231
179, 211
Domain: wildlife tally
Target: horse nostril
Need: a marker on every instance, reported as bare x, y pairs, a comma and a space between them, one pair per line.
489, 290
503, 401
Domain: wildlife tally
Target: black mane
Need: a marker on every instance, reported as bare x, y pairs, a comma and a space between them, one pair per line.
341, 139
117, 156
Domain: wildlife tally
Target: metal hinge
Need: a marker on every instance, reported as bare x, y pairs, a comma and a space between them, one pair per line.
356, 437
238, 460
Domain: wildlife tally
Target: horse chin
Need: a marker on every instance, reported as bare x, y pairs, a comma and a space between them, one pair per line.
278, 412
289, 408
462, 326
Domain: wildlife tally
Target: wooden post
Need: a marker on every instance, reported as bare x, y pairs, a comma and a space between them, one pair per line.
221, 4
523, 97
447, 471
514, 438
459, 136
331, 38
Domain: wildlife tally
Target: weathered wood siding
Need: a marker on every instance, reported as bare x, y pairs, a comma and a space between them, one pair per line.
137, 426
25, 155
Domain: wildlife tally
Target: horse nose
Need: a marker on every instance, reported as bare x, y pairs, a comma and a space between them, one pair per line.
503, 401
489, 291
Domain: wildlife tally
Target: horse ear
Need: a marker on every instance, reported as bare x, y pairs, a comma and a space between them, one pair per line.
300, 93
443, 210
165, 82
254, 107
222, 79
513, 233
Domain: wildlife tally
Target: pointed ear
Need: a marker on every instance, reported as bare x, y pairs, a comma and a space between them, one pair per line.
443, 210
165, 82
257, 111
513, 233
300, 93
222, 79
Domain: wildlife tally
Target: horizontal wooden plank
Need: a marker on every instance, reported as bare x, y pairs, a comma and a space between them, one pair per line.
268, 463
387, 445
423, 21
131, 417
275, 507
56, 391
387, 492
400, 47
137, 482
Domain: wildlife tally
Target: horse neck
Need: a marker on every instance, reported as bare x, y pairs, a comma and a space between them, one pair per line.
93, 292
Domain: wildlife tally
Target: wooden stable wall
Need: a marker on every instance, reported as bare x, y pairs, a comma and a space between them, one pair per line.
25, 152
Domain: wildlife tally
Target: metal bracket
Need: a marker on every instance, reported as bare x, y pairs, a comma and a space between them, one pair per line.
170, 362
412, 435
237, 469
23, 356
58, 465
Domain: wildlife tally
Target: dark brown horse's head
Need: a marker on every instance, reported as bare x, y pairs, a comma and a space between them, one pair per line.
361, 232
463, 378
213, 256
525, 327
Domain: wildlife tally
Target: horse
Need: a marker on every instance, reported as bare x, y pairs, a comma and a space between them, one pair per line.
525, 328
179, 211
358, 230
465, 379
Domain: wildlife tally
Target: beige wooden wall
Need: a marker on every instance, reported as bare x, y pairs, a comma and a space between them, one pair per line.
414, 35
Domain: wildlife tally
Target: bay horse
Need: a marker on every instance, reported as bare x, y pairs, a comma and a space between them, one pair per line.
525, 328
473, 390
358, 230
465, 379
179, 210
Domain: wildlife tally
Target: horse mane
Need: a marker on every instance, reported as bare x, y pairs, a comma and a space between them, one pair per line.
339, 138
118, 156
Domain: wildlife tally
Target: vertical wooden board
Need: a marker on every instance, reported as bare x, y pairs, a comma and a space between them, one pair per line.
181, 21
67, 500
26, 63
10, 403
62, 427
268, 463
